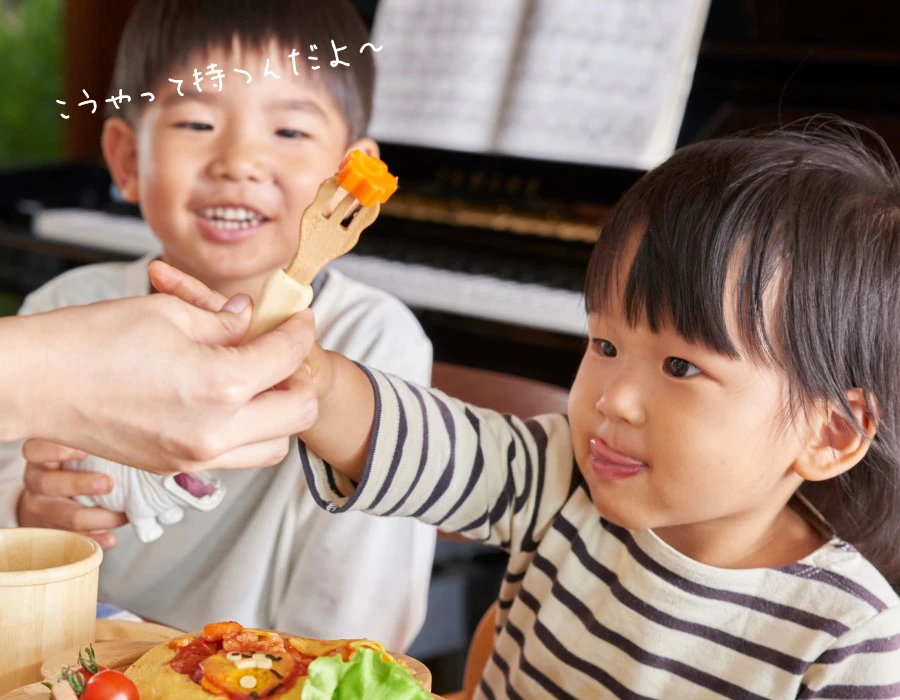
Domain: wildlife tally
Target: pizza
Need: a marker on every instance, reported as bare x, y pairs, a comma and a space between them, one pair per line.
226, 660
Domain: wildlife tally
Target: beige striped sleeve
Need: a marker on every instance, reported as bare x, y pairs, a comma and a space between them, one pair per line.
495, 478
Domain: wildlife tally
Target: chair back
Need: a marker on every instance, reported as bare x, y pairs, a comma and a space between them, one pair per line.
480, 649
501, 392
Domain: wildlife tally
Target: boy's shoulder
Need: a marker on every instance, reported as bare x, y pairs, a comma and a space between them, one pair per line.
89, 284
344, 300
371, 326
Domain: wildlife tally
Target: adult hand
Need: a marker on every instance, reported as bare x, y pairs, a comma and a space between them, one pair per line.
157, 383
48, 497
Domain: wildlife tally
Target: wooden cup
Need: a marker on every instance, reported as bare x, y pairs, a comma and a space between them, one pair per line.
48, 599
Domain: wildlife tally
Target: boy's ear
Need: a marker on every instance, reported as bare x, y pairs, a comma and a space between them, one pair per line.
838, 444
119, 144
366, 145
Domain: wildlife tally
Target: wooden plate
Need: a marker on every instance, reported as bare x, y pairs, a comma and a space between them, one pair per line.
128, 630
121, 654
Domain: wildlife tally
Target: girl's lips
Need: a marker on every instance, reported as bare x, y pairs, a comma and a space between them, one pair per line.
221, 235
609, 464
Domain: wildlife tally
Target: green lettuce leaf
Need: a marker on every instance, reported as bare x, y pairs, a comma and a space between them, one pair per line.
364, 677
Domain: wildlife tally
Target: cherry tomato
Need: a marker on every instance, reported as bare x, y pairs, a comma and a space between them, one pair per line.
110, 685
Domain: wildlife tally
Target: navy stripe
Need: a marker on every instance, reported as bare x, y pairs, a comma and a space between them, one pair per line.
755, 603
486, 689
626, 646
559, 650
332, 484
504, 669
446, 477
882, 645
644, 609
373, 447
423, 457
474, 475
853, 692
402, 435
814, 573
311, 479
530, 669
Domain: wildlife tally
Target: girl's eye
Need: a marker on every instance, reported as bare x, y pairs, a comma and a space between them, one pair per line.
292, 133
605, 348
194, 126
680, 368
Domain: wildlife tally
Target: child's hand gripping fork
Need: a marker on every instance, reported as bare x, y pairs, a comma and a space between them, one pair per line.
323, 237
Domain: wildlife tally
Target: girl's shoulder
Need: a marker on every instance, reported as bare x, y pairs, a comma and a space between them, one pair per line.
839, 569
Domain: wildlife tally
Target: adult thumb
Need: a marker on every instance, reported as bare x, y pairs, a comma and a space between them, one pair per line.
230, 325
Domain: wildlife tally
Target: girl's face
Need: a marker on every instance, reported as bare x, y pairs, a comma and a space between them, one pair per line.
669, 434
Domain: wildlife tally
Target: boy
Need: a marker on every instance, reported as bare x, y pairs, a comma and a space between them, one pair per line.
222, 177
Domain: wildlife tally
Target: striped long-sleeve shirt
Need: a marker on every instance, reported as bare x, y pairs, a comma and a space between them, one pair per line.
592, 610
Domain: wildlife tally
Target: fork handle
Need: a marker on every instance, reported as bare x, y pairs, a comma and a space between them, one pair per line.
282, 297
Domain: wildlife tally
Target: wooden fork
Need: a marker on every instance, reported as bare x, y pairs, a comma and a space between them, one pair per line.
323, 238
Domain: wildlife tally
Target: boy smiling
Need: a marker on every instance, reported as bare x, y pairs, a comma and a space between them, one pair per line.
222, 178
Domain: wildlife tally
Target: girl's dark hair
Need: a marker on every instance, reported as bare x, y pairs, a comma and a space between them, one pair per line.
807, 217
162, 34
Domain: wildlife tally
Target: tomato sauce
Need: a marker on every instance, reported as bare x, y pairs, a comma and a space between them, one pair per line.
189, 658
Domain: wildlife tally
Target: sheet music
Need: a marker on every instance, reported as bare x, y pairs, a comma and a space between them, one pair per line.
603, 82
442, 70
595, 81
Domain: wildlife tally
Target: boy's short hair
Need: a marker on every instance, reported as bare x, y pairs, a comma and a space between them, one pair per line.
807, 217
162, 34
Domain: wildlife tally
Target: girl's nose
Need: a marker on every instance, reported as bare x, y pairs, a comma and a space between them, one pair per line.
622, 399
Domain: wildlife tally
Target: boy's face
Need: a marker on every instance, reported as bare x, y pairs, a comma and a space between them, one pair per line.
223, 177
670, 434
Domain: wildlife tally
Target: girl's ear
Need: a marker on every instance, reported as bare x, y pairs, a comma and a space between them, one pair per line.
120, 151
839, 444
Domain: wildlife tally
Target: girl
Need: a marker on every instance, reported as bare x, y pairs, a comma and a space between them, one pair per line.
703, 521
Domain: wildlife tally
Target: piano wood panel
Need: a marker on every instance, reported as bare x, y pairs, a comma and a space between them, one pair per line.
92, 31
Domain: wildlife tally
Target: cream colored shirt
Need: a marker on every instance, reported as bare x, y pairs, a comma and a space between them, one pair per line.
267, 556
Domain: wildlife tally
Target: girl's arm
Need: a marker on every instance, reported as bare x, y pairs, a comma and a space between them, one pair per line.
385, 446
343, 430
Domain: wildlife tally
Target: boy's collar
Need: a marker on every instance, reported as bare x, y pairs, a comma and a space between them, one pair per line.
141, 278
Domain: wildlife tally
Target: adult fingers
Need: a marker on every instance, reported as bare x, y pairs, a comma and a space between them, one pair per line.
173, 281
269, 416
51, 481
260, 454
274, 356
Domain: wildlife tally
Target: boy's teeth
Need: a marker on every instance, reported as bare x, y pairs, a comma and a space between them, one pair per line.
232, 218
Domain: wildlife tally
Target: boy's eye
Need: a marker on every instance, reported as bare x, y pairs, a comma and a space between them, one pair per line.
194, 126
292, 133
680, 368
604, 347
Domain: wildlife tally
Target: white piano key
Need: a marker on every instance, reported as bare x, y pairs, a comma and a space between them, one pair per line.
418, 286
